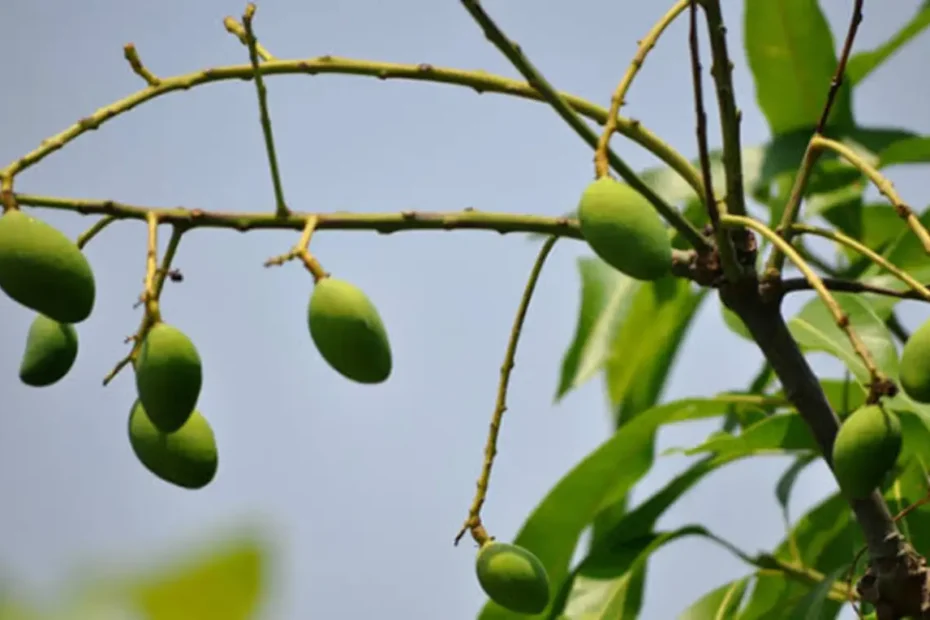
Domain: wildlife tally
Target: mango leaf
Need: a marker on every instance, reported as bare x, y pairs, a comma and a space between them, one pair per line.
599, 480
786, 483
736, 325
811, 606
792, 55
608, 583
645, 345
606, 295
913, 150
223, 584
824, 539
815, 330
884, 305
719, 604
860, 65
777, 434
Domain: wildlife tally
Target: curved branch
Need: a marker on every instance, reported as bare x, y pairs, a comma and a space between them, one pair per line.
480, 81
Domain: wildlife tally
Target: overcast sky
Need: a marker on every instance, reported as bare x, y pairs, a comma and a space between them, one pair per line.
361, 487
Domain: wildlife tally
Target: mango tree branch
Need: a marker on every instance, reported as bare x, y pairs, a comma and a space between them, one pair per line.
480, 81
515, 55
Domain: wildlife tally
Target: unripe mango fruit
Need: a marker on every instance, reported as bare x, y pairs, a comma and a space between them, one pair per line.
866, 449
51, 348
186, 458
44, 270
168, 376
512, 577
915, 365
348, 332
624, 230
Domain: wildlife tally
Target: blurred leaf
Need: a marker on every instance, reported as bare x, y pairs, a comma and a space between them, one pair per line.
223, 584
606, 295
912, 150
826, 537
599, 480
646, 344
724, 602
815, 330
736, 325
862, 64
777, 434
608, 583
811, 606
791, 52
785, 484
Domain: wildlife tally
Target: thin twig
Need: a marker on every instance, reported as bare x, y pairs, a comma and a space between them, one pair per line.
132, 56
838, 77
619, 97
280, 205
473, 523
85, 237
514, 54
236, 29
794, 285
301, 251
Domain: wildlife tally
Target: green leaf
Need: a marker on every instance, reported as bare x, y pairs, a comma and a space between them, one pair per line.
824, 539
815, 330
719, 604
736, 325
912, 150
811, 606
791, 52
606, 295
608, 583
785, 484
599, 480
777, 434
223, 584
862, 64
645, 345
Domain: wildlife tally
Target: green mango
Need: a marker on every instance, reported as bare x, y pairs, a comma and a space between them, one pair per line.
915, 365
169, 376
186, 458
624, 230
42, 269
51, 348
866, 448
512, 577
348, 332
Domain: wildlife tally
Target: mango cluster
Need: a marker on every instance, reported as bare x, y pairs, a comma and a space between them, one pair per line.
168, 435
624, 230
43, 270
348, 331
512, 577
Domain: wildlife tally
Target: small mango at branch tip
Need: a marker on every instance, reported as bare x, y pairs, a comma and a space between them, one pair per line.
512, 577
186, 458
169, 376
915, 365
348, 331
44, 270
50, 352
866, 448
624, 230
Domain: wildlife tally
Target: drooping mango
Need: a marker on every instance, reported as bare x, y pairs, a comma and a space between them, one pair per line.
866, 449
169, 376
186, 458
44, 270
51, 348
624, 230
512, 577
348, 332
915, 365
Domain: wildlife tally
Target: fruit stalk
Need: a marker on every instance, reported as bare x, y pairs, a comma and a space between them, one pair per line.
473, 522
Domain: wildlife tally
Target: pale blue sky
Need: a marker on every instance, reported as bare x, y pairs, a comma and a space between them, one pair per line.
364, 486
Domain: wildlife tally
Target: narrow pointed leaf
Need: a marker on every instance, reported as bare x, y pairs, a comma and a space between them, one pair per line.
718, 604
